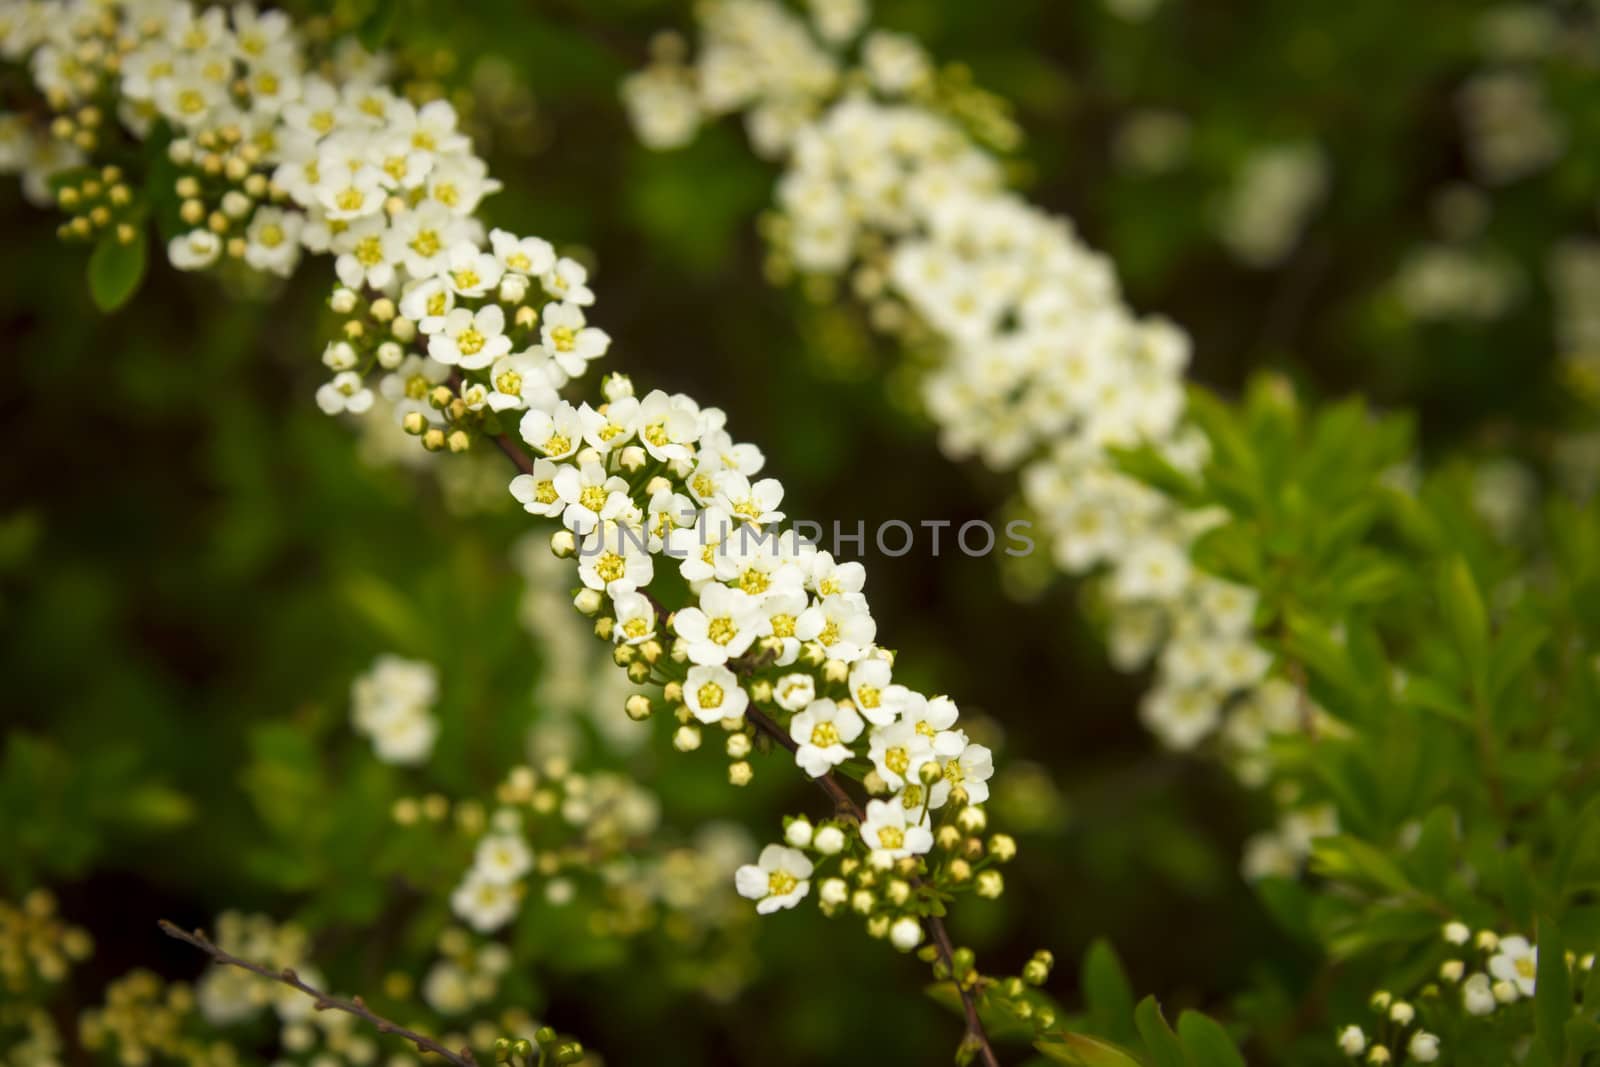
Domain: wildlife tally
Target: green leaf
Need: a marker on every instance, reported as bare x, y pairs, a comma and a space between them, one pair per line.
1552, 999
1108, 992
1206, 1043
1081, 1050
1163, 1045
1350, 859
376, 27
115, 270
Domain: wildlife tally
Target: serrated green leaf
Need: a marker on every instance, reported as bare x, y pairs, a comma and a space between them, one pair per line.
115, 270
1159, 1041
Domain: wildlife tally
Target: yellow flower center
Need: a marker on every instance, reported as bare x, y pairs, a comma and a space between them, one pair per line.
829, 587
395, 167
869, 696
897, 760
824, 735
372, 105
656, 433
829, 634
350, 199
470, 341
447, 194
911, 797
322, 121
438, 303
637, 628
610, 567
593, 497
563, 337
557, 444
781, 883
721, 630
518, 261
190, 102
467, 279
1525, 967
709, 695
783, 626
925, 728
267, 84
424, 140
509, 382
271, 235
891, 837
953, 773
545, 492
754, 581
369, 251
417, 387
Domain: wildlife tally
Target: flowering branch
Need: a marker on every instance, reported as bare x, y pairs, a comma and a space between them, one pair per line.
321, 1001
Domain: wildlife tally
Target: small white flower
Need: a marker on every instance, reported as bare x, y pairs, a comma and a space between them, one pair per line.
614, 557
482, 904
798, 833
886, 831
569, 340
470, 271
591, 496
1457, 933
840, 624
345, 393
566, 282
713, 694
878, 701
195, 250
526, 255
363, 259
1517, 962
521, 381
636, 619
272, 240
971, 770
1477, 996
824, 731
502, 858
794, 691
778, 879
554, 434
1352, 1041
724, 625
471, 340
1423, 1047
899, 751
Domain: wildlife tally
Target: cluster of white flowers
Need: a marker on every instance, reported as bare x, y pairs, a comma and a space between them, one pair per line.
1449, 282
229, 995
1042, 366
1282, 851
392, 704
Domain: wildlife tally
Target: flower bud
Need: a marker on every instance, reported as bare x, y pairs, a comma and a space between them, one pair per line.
588, 601
687, 738
990, 884
1352, 1041
1451, 970
563, 544
799, 831
905, 934
1402, 1013
343, 301
738, 746
828, 840
1457, 933
740, 773
633, 459
1002, 847
972, 820
833, 892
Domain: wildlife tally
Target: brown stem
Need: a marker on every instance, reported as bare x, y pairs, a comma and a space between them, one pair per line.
843, 804
322, 1001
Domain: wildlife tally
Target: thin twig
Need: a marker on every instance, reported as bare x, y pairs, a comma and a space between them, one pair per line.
844, 804
322, 1001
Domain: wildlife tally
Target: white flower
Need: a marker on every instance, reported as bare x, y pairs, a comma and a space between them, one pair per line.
878, 701
905, 934
1477, 996
794, 691
363, 259
471, 340
590, 495
405, 738
636, 619
725, 624
470, 271
840, 624
526, 255
971, 770
554, 434
195, 250
482, 904
754, 503
713, 694
885, 831
569, 340
612, 426
934, 719
273, 240
778, 879
667, 426
1457, 933
829, 840
502, 858
899, 752
345, 393
1423, 1047
565, 282
446, 989
427, 303
521, 381
1352, 1041
1517, 962
824, 731
614, 557
798, 833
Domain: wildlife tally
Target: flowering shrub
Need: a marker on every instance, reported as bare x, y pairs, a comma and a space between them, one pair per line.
1398, 660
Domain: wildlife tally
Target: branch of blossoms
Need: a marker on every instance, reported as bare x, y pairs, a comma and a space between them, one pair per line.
1042, 368
321, 1001
270, 151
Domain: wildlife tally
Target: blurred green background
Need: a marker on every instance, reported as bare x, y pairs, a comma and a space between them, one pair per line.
194, 562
